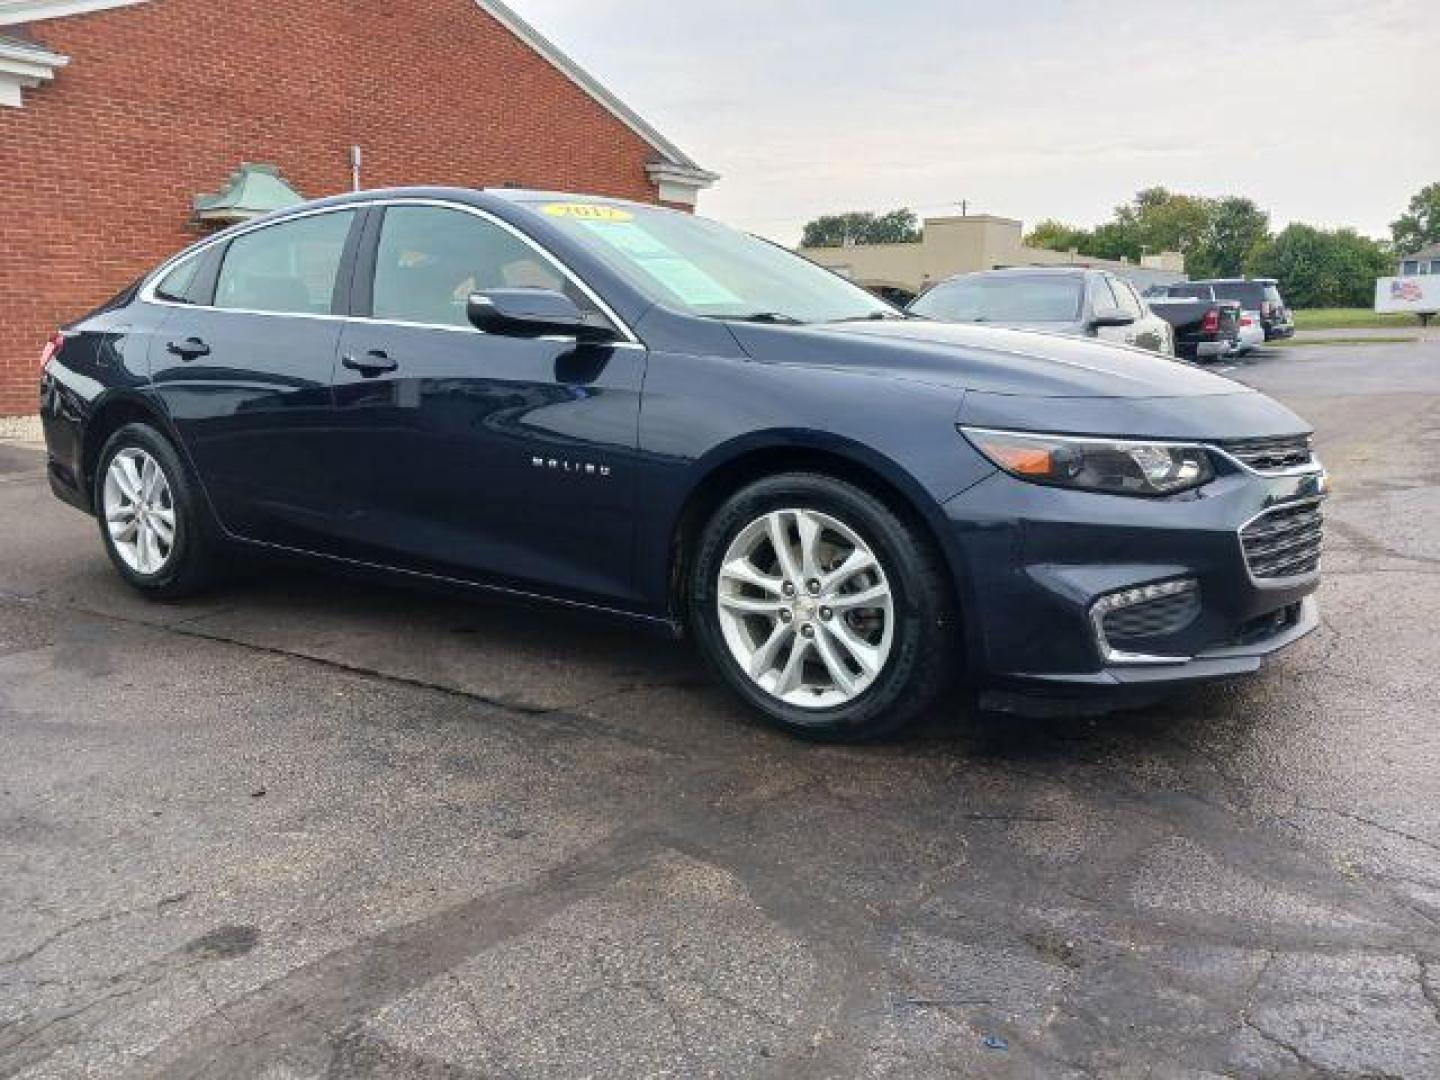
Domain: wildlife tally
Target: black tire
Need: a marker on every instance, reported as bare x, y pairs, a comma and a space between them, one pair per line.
924, 651
194, 560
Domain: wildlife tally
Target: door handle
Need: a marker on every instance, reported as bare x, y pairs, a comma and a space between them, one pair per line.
375, 362
188, 349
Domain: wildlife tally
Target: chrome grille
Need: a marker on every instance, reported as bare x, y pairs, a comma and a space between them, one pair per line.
1273, 454
1284, 542
1153, 618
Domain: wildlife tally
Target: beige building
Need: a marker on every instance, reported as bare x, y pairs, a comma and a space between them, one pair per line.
958, 245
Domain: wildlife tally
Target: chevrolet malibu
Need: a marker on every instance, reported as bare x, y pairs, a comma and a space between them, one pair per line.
633, 410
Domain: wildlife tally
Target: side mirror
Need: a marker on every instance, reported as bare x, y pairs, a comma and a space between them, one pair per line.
532, 313
1110, 316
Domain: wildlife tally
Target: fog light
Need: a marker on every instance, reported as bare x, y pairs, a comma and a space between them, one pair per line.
1144, 594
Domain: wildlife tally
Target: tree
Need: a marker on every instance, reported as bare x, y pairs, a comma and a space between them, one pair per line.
1161, 220
1322, 267
1057, 236
1420, 224
862, 227
1214, 235
1236, 228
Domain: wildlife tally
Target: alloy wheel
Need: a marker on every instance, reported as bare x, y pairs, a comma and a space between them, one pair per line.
805, 608
139, 511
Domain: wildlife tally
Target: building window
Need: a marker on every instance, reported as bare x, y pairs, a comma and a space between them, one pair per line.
1409, 267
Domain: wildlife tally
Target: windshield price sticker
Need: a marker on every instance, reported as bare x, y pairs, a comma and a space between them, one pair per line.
587, 212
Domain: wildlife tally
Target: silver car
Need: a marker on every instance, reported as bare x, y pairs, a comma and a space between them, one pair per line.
1062, 300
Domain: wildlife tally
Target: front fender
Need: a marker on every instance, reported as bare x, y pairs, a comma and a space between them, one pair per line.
703, 417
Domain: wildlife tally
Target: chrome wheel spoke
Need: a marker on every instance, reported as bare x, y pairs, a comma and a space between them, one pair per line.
764, 657
747, 573
794, 669
824, 646
163, 530
867, 656
144, 549
148, 472
874, 596
780, 541
127, 476
810, 531
753, 605
856, 562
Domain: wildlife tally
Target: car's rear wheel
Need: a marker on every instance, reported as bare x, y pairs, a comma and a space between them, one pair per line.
151, 521
822, 608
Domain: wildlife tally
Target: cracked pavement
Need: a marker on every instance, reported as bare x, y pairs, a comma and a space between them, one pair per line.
309, 827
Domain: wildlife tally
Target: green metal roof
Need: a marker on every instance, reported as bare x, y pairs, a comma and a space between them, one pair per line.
252, 190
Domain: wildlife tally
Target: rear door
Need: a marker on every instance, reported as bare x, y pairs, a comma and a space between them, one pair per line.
246, 375
475, 455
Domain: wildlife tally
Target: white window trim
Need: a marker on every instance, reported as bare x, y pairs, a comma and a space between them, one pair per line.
24, 11
24, 68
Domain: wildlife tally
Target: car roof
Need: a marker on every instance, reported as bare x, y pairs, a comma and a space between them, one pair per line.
1231, 281
1025, 271
491, 198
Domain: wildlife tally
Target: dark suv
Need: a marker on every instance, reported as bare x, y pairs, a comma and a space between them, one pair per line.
1258, 295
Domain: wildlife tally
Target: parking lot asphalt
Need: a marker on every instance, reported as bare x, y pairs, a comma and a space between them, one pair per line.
308, 827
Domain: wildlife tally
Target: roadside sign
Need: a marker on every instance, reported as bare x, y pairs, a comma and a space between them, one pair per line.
1418, 295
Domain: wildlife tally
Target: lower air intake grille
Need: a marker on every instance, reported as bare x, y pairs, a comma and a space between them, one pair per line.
1284, 542
1153, 618
1272, 455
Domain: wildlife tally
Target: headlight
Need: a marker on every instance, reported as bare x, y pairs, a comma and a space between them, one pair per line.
1117, 466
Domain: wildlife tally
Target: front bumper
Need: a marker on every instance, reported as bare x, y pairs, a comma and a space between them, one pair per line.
1036, 560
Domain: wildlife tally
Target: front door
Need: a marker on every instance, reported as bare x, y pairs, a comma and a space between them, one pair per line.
1149, 331
476, 455
247, 379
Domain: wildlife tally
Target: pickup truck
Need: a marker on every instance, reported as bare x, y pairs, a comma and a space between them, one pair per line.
1204, 329
1258, 297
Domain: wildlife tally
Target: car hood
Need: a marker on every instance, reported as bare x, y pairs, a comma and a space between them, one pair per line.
1028, 380
986, 358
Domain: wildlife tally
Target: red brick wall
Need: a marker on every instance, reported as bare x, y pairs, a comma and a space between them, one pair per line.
162, 100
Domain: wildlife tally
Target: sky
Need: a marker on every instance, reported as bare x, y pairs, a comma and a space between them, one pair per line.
1323, 111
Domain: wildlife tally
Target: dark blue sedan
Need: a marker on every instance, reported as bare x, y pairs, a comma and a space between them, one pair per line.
624, 408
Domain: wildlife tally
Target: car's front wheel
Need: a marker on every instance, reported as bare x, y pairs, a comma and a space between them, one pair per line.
151, 519
822, 608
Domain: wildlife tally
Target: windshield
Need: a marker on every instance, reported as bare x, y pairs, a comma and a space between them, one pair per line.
1248, 295
689, 264
1010, 298
1193, 292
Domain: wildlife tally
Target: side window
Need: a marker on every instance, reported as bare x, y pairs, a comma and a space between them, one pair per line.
289, 269
430, 259
176, 285
1129, 302
1101, 295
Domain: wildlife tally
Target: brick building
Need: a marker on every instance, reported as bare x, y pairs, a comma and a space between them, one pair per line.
116, 116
